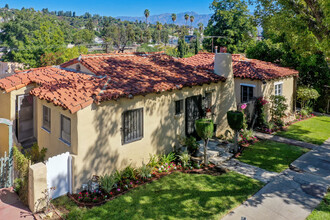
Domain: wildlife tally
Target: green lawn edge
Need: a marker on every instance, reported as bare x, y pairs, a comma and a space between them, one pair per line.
176, 196
270, 155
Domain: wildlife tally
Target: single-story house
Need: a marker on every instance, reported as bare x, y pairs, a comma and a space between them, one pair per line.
254, 78
113, 110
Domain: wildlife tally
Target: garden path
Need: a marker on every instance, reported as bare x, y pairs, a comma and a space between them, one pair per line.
285, 140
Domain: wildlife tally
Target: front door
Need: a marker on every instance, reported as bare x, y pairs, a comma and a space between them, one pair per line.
193, 112
24, 117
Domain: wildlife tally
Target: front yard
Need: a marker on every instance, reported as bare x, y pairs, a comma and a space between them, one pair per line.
271, 156
314, 130
176, 196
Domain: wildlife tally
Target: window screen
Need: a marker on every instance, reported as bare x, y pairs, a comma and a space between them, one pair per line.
66, 129
178, 107
208, 100
46, 118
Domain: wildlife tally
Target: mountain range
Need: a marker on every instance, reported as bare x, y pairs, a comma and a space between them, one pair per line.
166, 18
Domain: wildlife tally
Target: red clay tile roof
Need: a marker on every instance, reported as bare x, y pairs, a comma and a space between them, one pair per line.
243, 67
115, 76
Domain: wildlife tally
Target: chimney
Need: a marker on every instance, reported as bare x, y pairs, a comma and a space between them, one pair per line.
223, 65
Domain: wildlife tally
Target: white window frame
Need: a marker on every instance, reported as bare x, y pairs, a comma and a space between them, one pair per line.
247, 85
278, 87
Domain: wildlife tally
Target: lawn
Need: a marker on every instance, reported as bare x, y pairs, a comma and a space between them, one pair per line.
321, 212
176, 196
270, 155
314, 130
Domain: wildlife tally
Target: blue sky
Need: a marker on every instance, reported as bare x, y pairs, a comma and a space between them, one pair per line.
115, 7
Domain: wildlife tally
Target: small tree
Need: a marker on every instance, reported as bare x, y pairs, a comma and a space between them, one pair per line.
305, 95
182, 48
235, 120
204, 128
278, 109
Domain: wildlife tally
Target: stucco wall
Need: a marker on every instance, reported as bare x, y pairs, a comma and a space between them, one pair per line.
8, 111
268, 89
51, 140
100, 149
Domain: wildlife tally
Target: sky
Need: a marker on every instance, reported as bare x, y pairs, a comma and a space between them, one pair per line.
114, 8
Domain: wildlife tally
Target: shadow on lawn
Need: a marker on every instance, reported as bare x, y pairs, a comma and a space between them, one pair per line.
179, 196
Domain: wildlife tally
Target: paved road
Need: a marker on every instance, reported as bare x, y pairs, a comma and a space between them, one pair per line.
291, 195
11, 208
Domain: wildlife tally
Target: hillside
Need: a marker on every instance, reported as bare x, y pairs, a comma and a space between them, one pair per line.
166, 18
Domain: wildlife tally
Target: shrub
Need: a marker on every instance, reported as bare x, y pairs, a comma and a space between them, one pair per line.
144, 171
184, 158
167, 158
18, 183
204, 128
305, 95
278, 109
129, 173
153, 161
21, 166
190, 143
235, 119
260, 112
107, 182
35, 155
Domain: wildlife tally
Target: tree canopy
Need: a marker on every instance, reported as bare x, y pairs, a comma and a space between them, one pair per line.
232, 21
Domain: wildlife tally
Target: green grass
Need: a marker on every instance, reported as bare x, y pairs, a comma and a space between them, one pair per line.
321, 212
270, 155
314, 130
177, 196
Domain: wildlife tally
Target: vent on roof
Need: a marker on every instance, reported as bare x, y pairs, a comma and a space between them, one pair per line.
78, 67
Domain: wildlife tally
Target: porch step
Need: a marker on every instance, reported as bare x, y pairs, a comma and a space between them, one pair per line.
27, 144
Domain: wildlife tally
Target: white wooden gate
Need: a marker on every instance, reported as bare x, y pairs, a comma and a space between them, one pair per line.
59, 174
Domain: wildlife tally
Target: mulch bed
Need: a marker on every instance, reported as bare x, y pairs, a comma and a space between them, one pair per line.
102, 197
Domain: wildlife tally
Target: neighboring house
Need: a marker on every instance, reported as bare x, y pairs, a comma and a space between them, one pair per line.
9, 68
113, 110
254, 78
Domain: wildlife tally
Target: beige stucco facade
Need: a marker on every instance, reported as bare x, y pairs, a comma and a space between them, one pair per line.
268, 89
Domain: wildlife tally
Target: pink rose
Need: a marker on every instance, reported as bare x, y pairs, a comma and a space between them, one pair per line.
243, 106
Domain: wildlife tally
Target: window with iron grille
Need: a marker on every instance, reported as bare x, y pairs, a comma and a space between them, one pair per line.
179, 107
132, 125
66, 129
246, 93
46, 118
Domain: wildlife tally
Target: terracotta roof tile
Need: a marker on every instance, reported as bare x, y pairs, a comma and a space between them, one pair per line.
242, 67
116, 76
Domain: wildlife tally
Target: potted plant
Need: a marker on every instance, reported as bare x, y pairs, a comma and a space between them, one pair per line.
204, 128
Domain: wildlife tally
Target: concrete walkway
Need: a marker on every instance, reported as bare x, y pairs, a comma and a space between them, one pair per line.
280, 139
291, 195
254, 172
11, 208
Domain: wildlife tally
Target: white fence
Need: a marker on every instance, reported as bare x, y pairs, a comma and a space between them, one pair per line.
59, 174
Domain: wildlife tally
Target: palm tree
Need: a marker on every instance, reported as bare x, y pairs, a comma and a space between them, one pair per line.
200, 27
173, 19
192, 18
159, 27
186, 17
146, 14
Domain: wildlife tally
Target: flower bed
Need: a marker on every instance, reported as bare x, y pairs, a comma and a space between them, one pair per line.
299, 117
99, 197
